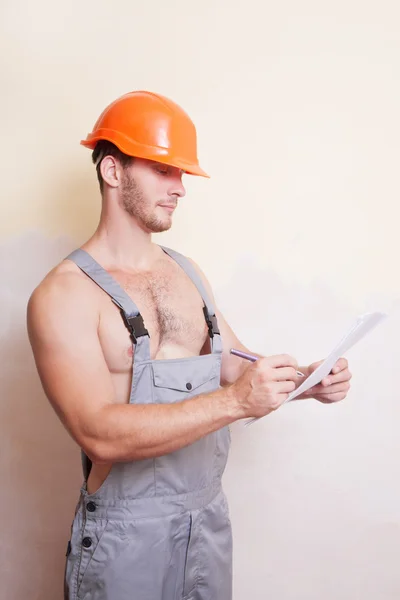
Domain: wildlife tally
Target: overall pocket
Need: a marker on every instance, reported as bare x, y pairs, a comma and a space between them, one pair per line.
191, 467
176, 380
72, 557
192, 555
93, 556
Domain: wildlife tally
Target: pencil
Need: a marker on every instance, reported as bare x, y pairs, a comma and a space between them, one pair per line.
254, 358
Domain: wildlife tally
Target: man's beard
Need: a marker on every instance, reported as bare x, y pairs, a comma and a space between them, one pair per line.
135, 203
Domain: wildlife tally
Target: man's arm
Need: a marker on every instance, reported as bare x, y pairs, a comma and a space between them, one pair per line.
62, 327
332, 388
232, 366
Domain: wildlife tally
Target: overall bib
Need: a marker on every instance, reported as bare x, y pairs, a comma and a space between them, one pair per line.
157, 528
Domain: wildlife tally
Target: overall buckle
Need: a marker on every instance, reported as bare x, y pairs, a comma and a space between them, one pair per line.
211, 322
135, 326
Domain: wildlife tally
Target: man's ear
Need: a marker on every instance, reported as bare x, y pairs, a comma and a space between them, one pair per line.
111, 171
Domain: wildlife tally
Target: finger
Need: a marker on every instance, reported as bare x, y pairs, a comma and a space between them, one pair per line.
332, 389
332, 379
285, 387
282, 398
315, 366
281, 360
284, 373
340, 365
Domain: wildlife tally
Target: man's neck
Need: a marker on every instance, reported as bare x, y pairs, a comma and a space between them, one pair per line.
122, 244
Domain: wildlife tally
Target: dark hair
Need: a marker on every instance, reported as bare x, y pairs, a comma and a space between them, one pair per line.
105, 148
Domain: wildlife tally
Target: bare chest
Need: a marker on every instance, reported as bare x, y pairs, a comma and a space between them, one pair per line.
172, 310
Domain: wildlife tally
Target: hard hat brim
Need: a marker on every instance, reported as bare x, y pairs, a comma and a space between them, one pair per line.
156, 154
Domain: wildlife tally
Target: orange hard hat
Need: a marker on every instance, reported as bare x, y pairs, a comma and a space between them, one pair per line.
148, 125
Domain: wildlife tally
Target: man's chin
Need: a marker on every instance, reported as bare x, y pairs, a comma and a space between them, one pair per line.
160, 227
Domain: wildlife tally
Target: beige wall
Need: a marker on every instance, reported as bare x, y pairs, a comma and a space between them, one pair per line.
296, 105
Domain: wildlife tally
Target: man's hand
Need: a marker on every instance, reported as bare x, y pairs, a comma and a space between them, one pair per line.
264, 385
332, 388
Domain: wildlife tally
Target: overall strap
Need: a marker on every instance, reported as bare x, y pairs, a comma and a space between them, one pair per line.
209, 308
129, 311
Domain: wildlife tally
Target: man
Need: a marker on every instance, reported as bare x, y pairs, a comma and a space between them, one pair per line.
134, 357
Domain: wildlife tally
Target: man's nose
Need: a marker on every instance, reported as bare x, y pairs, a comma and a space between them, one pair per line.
177, 188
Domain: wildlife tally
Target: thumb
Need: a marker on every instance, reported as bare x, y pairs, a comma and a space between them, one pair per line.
314, 366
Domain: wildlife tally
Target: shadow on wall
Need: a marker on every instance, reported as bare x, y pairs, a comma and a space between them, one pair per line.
40, 466
313, 501
41, 470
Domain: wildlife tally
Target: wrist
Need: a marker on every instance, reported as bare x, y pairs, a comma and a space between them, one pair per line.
233, 403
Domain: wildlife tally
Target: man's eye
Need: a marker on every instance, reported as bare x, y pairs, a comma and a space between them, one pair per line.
162, 170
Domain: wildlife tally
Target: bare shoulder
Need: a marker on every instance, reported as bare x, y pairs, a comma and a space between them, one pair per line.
203, 277
63, 294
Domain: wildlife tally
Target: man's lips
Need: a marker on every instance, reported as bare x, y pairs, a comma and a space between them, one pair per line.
170, 206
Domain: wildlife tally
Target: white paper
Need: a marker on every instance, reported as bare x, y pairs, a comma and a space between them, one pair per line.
363, 325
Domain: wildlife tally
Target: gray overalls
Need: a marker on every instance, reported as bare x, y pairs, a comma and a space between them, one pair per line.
157, 528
